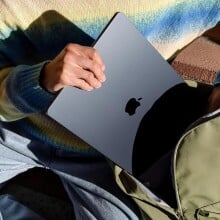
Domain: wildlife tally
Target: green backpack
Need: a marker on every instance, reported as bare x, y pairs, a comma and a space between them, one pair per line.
196, 176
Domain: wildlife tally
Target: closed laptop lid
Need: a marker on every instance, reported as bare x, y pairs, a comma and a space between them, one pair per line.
108, 118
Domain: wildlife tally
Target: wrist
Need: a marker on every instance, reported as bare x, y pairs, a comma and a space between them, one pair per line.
43, 82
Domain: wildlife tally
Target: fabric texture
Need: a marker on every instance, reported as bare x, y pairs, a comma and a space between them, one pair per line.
89, 181
199, 61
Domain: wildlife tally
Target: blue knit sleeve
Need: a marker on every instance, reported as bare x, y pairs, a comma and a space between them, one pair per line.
25, 92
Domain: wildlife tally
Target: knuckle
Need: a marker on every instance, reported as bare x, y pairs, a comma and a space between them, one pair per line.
94, 52
82, 85
96, 68
90, 76
69, 47
66, 58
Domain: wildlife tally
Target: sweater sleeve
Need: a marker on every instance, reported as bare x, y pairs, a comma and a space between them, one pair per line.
21, 93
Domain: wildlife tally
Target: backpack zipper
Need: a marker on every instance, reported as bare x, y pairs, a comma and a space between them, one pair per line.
208, 214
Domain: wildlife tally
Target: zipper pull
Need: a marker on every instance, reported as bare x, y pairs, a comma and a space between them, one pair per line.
203, 213
208, 214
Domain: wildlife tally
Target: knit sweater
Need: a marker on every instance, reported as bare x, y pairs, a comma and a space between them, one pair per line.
32, 32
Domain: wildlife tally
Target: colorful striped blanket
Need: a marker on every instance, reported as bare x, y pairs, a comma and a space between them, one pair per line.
29, 36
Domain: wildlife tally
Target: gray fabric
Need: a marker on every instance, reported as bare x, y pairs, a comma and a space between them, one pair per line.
46, 206
10, 208
89, 182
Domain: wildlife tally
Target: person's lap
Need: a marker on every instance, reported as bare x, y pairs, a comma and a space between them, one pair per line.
88, 182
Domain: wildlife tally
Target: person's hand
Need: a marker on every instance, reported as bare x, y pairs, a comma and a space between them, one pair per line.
75, 65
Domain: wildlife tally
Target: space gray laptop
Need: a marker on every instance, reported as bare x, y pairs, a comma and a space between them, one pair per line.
108, 118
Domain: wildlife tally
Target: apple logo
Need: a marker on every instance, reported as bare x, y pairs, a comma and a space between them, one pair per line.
132, 105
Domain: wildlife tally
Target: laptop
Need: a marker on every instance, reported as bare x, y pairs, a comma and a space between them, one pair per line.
108, 118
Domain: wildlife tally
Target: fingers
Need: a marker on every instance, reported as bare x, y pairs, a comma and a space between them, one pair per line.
90, 66
75, 65
72, 75
87, 58
83, 76
89, 78
92, 53
81, 84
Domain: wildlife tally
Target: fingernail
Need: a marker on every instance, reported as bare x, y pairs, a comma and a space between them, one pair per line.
99, 85
103, 68
90, 89
103, 78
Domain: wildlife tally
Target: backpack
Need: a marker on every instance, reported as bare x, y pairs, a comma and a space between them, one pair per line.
196, 176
